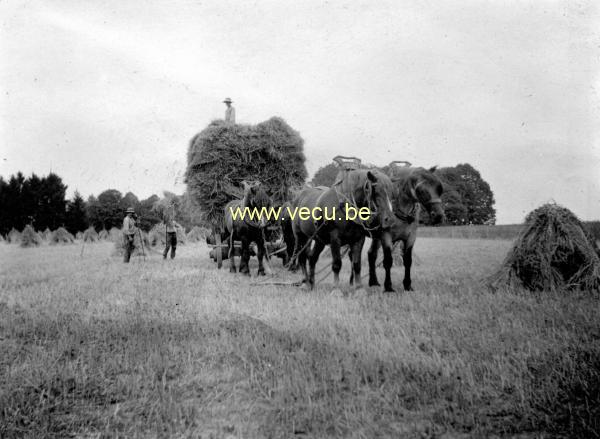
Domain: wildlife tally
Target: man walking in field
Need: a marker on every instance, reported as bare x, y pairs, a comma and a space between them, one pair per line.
172, 226
230, 112
129, 230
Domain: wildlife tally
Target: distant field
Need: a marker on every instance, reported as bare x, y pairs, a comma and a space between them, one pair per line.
91, 347
506, 231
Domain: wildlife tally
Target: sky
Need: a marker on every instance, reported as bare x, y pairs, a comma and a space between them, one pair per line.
107, 94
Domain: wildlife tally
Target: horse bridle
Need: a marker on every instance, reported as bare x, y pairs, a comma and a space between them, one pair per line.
410, 216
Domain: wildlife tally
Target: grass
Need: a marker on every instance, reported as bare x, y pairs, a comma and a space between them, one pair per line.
91, 347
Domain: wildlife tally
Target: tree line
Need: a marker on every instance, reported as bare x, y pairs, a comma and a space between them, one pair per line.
41, 202
467, 197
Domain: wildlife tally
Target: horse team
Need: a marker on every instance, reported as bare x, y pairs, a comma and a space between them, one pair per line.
393, 200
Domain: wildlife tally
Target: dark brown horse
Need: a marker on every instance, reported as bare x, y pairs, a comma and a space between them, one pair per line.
247, 230
414, 187
337, 224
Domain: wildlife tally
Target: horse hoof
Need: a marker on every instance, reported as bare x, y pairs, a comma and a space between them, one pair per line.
305, 286
374, 284
261, 273
389, 290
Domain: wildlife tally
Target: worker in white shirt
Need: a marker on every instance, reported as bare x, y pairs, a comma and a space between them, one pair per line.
230, 112
129, 230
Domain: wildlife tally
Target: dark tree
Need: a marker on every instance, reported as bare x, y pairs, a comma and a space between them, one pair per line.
76, 216
325, 175
147, 216
106, 212
50, 209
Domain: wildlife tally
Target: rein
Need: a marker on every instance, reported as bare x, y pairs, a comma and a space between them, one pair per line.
410, 216
367, 188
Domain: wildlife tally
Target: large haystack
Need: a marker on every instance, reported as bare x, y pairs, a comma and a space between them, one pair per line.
30, 238
61, 236
553, 252
119, 248
103, 235
221, 156
13, 237
90, 235
157, 235
198, 234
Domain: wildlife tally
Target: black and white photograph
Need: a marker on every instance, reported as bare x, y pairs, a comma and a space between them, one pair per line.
227, 219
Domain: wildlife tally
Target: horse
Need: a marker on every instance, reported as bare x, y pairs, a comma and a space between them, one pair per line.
246, 229
414, 187
334, 222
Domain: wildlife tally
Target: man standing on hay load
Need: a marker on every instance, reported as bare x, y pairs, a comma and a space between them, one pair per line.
230, 112
129, 230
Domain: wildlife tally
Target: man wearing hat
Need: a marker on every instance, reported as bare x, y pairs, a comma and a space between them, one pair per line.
171, 233
230, 112
129, 230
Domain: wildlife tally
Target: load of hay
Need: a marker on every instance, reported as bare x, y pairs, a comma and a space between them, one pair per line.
30, 238
13, 236
61, 236
198, 234
103, 235
553, 252
119, 249
115, 234
90, 235
157, 235
223, 155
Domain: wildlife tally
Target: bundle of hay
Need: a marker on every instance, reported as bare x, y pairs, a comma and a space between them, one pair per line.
90, 235
223, 155
2, 238
79, 235
13, 236
30, 238
61, 236
119, 249
157, 235
46, 234
115, 234
198, 234
553, 252
103, 235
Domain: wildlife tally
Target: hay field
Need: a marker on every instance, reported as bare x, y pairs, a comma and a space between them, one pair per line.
90, 347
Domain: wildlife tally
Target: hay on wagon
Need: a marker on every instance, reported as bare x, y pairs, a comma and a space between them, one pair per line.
157, 235
223, 155
30, 238
553, 252
119, 248
14, 236
90, 235
61, 236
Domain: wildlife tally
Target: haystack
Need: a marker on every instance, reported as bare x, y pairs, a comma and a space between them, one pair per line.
30, 238
198, 234
103, 235
46, 234
553, 252
115, 234
221, 156
79, 235
90, 235
2, 238
13, 236
119, 248
157, 235
61, 236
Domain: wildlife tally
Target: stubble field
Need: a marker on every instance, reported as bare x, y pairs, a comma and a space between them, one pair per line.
91, 347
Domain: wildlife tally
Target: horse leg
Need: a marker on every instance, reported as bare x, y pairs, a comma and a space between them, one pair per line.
388, 261
372, 255
301, 241
356, 250
231, 254
244, 268
336, 259
312, 262
260, 253
407, 257
351, 271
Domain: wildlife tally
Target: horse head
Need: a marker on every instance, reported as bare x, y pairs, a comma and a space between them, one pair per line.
379, 190
256, 197
426, 188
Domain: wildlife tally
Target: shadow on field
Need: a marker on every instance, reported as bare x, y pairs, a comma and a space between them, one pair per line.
66, 375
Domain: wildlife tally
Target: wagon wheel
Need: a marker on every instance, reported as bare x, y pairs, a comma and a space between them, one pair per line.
218, 250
